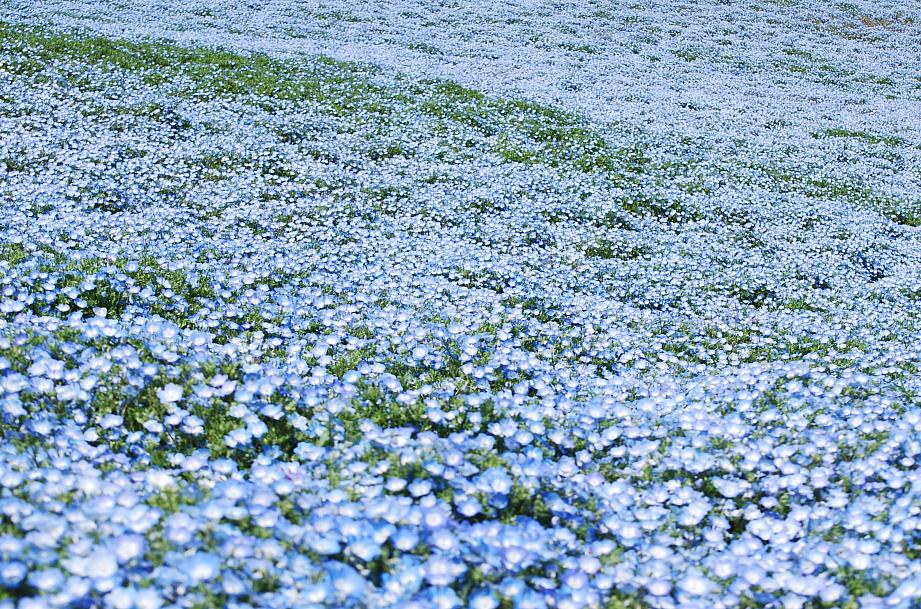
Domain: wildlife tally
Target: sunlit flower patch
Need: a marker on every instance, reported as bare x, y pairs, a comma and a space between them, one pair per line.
288, 331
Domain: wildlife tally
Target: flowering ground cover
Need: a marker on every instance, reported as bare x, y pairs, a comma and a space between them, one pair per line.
284, 329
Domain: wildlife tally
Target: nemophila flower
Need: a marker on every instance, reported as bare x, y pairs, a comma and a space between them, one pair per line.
121, 598
567, 384
327, 545
514, 558
483, 599
195, 461
346, 582
364, 548
694, 513
257, 428
12, 573
201, 567
436, 516
444, 598
694, 584
99, 564
147, 598
232, 585
469, 507
494, 480
193, 425
405, 539
420, 487
395, 485
441, 571
46, 580
128, 547
13, 407
170, 393
659, 587
238, 437
110, 421
443, 539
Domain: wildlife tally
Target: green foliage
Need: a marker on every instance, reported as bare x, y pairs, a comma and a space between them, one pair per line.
423, 47
339, 87
527, 132
686, 54
523, 501
669, 210
897, 210
13, 253
608, 250
579, 48
861, 135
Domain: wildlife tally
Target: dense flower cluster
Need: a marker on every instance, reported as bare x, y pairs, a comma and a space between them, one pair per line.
824, 83
303, 333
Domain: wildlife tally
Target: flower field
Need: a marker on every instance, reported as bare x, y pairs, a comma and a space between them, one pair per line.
460, 304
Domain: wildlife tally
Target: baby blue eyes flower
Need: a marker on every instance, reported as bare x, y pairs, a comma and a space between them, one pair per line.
907, 591
147, 599
530, 599
435, 517
121, 598
153, 426
12, 406
365, 549
128, 547
441, 571
405, 539
753, 574
237, 437
694, 513
420, 487
193, 425
589, 564
257, 353
444, 598
100, 564
316, 593
483, 600
515, 558
110, 421
395, 485
469, 507
495, 480
659, 587
325, 545
832, 592
169, 393
444, 539
201, 567
695, 584
11, 573
46, 580
346, 581
232, 585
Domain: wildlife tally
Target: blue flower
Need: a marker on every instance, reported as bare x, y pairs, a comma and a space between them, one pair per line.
11, 573
46, 580
346, 582
201, 567
441, 571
